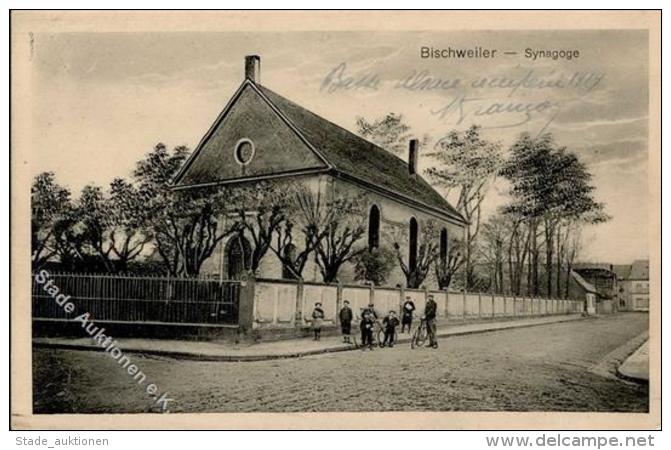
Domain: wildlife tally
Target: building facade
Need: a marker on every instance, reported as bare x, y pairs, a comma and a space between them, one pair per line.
633, 286
262, 136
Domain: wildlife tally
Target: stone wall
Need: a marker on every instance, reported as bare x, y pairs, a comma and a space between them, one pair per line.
288, 305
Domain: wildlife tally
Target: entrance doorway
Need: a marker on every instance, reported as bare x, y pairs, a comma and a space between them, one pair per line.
238, 257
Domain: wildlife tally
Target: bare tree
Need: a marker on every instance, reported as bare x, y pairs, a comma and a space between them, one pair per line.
446, 270
427, 253
92, 214
389, 132
548, 185
468, 165
260, 211
494, 239
517, 251
573, 246
292, 257
187, 225
127, 217
50, 205
333, 225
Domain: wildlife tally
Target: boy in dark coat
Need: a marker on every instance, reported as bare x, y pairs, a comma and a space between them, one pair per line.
430, 310
346, 322
366, 325
408, 309
390, 322
370, 309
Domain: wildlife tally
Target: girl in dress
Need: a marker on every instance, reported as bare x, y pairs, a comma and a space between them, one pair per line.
317, 319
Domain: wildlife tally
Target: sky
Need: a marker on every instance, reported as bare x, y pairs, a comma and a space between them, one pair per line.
103, 100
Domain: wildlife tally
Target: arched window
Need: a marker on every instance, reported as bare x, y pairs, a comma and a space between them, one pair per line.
290, 254
412, 255
374, 228
238, 257
443, 247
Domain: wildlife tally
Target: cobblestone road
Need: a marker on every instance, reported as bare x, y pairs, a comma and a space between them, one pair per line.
559, 367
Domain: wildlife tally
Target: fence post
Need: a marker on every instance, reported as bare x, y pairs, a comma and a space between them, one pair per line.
493, 308
479, 305
447, 303
514, 305
299, 303
463, 311
246, 306
338, 303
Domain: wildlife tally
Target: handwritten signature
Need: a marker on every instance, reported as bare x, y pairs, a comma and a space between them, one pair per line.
462, 108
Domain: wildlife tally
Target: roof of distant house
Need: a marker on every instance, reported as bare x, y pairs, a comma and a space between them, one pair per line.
622, 271
587, 286
639, 270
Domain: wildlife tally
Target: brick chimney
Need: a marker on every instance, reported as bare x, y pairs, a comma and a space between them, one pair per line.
253, 68
412, 156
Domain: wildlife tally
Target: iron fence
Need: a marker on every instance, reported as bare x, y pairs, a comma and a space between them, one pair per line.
120, 298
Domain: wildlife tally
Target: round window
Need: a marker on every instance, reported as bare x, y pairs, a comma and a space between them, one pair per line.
244, 151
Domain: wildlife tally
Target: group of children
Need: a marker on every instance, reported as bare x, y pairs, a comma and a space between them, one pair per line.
369, 317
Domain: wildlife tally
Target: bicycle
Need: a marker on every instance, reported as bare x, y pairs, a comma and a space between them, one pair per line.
379, 335
421, 334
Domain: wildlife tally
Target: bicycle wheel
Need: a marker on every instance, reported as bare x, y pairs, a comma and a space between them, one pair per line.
379, 337
420, 336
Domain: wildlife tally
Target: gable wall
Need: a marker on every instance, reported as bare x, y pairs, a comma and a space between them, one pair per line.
277, 147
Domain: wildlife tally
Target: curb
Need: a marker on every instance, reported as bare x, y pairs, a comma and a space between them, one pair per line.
192, 356
625, 373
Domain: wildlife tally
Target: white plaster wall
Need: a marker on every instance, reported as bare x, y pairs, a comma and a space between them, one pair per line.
395, 216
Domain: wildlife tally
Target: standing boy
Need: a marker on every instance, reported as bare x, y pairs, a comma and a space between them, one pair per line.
408, 309
370, 309
366, 325
390, 323
346, 322
317, 320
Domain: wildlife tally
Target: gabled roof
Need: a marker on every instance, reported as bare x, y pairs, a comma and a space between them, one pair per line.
587, 286
351, 157
640, 270
622, 271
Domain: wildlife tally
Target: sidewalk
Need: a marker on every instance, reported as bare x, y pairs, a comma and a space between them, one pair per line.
636, 367
218, 351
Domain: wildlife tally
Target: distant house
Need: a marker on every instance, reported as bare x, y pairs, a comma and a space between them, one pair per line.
580, 288
633, 285
260, 135
600, 276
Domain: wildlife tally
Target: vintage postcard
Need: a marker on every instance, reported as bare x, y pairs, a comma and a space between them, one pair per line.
336, 220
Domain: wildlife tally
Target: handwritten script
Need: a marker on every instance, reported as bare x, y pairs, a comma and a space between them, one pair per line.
508, 98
